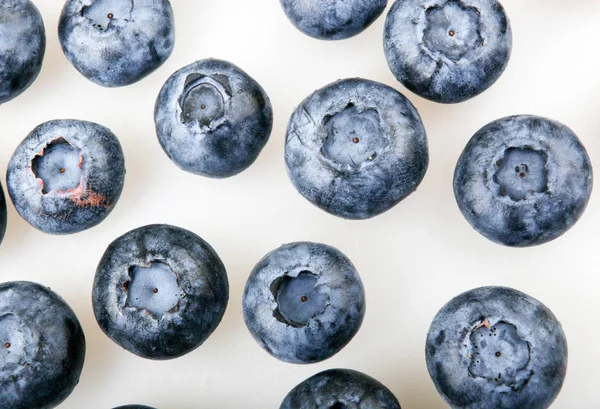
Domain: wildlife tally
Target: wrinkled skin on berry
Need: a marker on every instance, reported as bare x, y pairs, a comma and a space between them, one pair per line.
356, 148
496, 348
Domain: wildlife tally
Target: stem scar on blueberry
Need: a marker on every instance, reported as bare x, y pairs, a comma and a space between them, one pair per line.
203, 107
7, 345
110, 15
155, 290
355, 140
62, 170
304, 298
498, 354
451, 33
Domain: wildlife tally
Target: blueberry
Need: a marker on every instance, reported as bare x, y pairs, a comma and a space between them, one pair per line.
160, 291
212, 119
134, 407
333, 19
66, 176
304, 302
523, 180
356, 148
447, 50
496, 348
22, 47
117, 42
42, 347
340, 389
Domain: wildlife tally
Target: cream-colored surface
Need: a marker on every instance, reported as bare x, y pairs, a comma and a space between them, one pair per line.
412, 259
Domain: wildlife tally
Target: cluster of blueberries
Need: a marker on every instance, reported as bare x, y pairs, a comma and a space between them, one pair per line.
354, 148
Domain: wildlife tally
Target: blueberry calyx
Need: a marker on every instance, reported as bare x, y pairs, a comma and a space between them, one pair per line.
107, 13
203, 100
452, 30
58, 167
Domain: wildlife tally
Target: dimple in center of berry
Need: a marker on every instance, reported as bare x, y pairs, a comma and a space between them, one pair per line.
58, 167
143, 288
346, 129
499, 354
298, 300
521, 172
204, 99
452, 29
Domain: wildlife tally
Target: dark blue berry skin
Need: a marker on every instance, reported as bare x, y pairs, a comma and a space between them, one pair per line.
333, 19
134, 407
523, 180
325, 277
86, 155
42, 347
496, 348
356, 148
22, 47
117, 42
212, 119
201, 292
3, 214
447, 51
340, 389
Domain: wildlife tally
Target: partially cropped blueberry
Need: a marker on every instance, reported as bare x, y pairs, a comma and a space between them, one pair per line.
496, 348
42, 347
66, 176
213, 119
447, 50
134, 407
160, 291
356, 148
22, 47
117, 42
523, 180
333, 19
304, 302
340, 389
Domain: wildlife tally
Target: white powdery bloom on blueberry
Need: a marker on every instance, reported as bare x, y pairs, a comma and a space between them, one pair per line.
22, 47
523, 180
66, 176
496, 348
356, 148
117, 42
447, 51
304, 302
213, 119
333, 19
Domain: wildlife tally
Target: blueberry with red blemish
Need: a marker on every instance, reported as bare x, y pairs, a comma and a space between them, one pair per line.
496, 348
160, 291
66, 176
117, 42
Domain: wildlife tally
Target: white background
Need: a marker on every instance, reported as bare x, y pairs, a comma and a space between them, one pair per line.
412, 259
